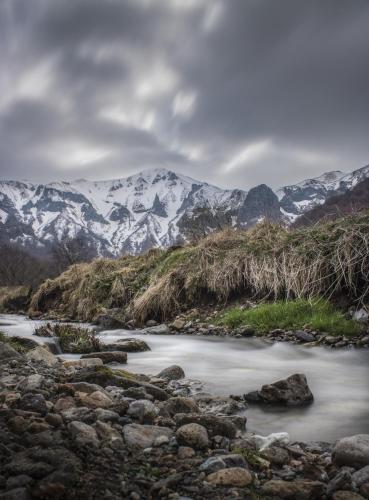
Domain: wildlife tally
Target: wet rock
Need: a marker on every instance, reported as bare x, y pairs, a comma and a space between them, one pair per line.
143, 436
234, 476
44, 355
33, 402
108, 356
21, 464
173, 372
293, 490
193, 435
292, 391
157, 330
96, 399
143, 410
83, 387
7, 352
215, 425
180, 405
128, 345
82, 363
352, 451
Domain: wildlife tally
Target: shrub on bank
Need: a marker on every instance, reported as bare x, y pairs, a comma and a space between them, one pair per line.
318, 314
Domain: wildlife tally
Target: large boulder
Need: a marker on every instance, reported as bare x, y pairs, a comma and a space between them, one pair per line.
128, 345
352, 451
144, 436
173, 372
193, 435
108, 356
292, 391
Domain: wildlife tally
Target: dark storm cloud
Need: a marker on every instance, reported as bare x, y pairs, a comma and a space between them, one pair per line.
235, 92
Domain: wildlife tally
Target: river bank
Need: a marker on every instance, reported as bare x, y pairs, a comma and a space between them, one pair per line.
79, 430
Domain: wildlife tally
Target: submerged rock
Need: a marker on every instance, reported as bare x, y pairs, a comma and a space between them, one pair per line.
292, 391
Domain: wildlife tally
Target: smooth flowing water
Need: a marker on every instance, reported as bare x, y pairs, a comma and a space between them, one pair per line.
339, 379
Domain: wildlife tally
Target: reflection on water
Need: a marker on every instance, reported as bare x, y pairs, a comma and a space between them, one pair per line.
337, 378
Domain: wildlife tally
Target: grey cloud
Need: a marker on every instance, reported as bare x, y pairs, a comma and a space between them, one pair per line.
292, 74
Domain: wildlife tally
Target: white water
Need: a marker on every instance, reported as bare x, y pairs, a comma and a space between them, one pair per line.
338, 378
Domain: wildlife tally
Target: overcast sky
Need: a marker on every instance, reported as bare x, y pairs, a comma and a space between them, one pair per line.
234, 92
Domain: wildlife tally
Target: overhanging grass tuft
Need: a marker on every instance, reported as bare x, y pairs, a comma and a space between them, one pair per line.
267, 261
318, 314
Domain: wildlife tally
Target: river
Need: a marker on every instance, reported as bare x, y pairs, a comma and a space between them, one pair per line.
339, 379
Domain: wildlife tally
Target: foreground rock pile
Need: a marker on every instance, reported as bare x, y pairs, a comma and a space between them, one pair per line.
85, 431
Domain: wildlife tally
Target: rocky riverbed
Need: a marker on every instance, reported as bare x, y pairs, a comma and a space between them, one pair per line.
80, 430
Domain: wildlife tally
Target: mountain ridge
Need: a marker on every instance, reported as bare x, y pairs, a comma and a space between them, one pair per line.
155, 207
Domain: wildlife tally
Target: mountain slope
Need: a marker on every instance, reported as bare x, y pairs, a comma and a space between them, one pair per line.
352, 201
154, 208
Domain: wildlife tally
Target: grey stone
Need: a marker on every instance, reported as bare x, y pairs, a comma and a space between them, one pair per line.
193, 435
7, 352
157, 330
361, 476
143, 436
352, 451
108, 356
292, 391
144, 410
173, 372
33, 402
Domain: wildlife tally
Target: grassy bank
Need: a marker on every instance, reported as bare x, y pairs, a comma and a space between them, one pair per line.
317, 314
267, 261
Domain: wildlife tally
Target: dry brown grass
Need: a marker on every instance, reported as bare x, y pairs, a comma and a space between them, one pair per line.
266, 261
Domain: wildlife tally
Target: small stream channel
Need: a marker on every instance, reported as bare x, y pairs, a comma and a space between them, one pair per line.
339, 379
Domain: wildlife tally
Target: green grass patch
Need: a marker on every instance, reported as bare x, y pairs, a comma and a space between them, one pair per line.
72, 339
319, 314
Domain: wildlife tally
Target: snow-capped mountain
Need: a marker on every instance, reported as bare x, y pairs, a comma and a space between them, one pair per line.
117, 216
299, 198
154, 208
